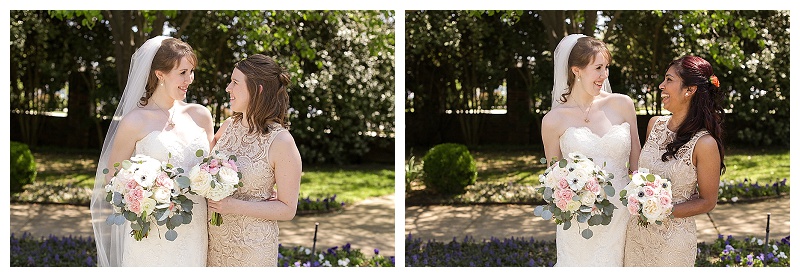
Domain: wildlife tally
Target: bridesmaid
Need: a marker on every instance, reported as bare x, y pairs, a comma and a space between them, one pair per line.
687, 149
269, 162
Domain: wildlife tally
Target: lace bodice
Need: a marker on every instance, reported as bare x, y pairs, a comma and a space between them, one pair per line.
673, 243
243, 240
606, 246
612, 148
189, 249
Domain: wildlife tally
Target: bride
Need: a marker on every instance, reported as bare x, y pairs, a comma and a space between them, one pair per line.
153, 120
587, 118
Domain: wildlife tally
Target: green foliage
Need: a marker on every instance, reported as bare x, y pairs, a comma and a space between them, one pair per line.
341, 64
449, 168
413, 171
23, 167
325, 205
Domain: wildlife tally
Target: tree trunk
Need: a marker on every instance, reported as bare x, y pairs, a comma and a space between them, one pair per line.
78, 110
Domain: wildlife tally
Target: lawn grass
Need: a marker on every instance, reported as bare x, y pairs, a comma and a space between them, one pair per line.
67, 176
506, 172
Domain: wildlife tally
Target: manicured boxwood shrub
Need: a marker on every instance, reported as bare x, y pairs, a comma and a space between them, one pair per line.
23, 166
449, 168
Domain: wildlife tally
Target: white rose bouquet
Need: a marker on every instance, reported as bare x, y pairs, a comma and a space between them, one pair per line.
575, 187
215, 178
145, 190
648, 197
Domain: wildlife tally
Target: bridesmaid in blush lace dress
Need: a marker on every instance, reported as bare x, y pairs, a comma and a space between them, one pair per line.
269, 162
686, 148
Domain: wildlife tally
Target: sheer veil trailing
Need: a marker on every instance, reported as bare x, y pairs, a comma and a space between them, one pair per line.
560, 70
109, 238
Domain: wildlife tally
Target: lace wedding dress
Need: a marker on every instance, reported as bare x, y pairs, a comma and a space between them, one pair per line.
673, 243
243, 240
605, 247
191, 246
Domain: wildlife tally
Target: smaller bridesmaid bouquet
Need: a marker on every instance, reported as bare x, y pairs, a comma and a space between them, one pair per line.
648, 197
575, 187
215, 178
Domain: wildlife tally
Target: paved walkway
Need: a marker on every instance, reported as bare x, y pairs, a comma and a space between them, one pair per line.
367, 225
370, 224
443, 223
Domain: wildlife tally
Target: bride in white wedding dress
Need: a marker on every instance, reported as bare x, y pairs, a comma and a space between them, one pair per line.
587, 118
152, 119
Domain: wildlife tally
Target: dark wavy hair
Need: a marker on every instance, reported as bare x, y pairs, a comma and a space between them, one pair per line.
582, 54
705, 108
167, 57
271, 103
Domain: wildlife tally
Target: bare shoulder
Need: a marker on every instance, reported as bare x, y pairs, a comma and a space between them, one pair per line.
284, 138
134, 121
619, 100
197, 110
553, 118
706, 143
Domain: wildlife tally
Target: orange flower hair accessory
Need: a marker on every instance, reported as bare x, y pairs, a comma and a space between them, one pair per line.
714, 80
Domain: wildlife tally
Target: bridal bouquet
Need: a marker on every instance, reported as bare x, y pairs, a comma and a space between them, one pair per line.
648, 196
215, 178
575, 187
144, 190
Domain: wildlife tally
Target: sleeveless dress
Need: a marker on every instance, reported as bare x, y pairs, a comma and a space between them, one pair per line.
189, 248
605, 247
674, 242
243, 240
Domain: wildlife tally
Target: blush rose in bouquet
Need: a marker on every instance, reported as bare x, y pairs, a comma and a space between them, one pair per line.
145, 191
215, 178
648, 197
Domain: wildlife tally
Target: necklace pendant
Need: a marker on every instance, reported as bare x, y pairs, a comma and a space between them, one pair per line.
171, 124
586, 120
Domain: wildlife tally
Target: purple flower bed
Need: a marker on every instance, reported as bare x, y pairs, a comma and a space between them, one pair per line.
528, 252
27, 251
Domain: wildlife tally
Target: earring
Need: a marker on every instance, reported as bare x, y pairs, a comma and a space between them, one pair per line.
579, 79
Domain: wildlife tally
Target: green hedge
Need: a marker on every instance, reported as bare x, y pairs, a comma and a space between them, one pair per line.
23, 167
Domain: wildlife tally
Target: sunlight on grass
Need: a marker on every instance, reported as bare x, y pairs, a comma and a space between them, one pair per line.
67, 176
349, 184
523, 167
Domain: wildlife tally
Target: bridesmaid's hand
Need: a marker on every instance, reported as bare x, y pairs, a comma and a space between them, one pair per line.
223, 206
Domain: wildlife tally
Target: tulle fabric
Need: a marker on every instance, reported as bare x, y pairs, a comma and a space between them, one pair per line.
109, 238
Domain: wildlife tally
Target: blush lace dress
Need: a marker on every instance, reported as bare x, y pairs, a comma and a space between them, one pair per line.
605, 247
190, 247
673, 243
243, 240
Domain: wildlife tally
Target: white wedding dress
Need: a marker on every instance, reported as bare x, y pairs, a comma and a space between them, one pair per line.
606, 247
191, 246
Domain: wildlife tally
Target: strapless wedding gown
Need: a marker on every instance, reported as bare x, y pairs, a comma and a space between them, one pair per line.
606, 247
191, 246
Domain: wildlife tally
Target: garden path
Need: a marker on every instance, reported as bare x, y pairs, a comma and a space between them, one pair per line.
367, 225
443, 223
